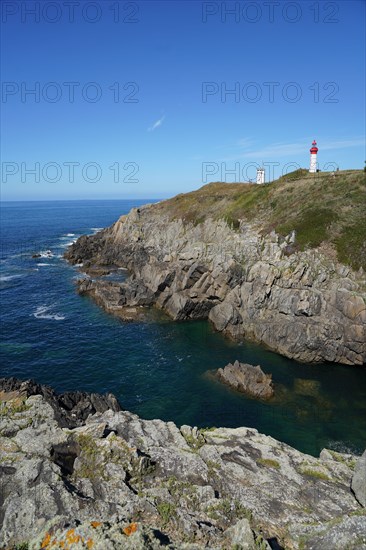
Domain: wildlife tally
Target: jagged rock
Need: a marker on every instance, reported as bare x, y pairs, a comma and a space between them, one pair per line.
247, 379
241, 536
358, 483
116, 470
101, 536
345, 533
304, 306
71, 408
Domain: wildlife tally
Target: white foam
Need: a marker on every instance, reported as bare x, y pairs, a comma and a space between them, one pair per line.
67, 238
81, 276
64, 245
43, 312
46, 254
44, 265
4, 278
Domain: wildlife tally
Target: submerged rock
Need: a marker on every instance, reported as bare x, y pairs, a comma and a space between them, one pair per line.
247, 379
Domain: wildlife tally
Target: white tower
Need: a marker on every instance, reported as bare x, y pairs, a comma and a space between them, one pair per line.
260, 175
313, 161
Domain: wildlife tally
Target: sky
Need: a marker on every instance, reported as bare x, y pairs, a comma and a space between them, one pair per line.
112, 99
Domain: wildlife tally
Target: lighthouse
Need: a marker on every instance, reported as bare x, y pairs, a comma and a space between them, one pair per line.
260, 175
313, 153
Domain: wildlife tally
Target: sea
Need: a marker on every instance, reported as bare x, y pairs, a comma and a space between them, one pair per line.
159, 368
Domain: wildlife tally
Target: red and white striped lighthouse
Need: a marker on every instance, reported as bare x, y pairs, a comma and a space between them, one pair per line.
313, 161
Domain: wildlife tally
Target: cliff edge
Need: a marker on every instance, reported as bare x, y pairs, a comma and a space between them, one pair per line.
260, 262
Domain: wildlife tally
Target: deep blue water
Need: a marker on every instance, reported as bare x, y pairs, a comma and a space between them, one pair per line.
157, 369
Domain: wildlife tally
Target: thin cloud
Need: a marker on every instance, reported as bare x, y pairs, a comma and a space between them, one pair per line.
156, 124
279, 150
346, 143
245, 142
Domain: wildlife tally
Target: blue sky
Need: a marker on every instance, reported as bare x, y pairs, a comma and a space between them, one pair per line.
295, 69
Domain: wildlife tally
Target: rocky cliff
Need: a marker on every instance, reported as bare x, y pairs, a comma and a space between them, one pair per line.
109, 479
249, 283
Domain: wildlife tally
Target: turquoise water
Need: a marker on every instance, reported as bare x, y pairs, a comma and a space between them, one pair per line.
158, 369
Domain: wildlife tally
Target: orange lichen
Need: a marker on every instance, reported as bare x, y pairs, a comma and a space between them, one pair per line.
90, 543
95, 524
46, 540
132, 528
72, 537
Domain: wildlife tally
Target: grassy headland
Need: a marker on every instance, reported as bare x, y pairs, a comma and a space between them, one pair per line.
322, 208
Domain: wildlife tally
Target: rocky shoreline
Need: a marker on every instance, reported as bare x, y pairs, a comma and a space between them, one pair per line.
304, 306
79, 472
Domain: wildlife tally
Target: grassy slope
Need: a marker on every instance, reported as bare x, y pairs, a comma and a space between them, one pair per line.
321, 208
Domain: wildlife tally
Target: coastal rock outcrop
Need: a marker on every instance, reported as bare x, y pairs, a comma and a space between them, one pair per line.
247, 379
305, 306
118, 481
359, 480
71, 409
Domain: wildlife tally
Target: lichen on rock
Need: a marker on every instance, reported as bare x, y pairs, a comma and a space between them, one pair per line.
117, 481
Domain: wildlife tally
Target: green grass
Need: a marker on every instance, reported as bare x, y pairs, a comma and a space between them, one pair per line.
295, 175
321, 208
351, 245
230, 510
90, 467
213, 469
269, 462
195, 442
311, 227
166, 511
206, 430
8, 408
314, 473
260, 543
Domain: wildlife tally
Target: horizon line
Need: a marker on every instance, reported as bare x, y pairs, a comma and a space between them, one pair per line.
77, 200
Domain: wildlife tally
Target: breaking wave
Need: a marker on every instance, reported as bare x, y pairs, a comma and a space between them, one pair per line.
43, 312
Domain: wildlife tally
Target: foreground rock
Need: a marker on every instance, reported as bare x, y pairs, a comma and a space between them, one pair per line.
247, 379
117, 481
71, 409
359, 480
304, 306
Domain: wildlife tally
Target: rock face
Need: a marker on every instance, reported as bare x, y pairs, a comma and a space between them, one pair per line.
359, 480
119, 482
71, 408
304, 306
247, 379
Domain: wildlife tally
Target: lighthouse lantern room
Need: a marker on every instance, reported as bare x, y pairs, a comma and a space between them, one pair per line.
313, 154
